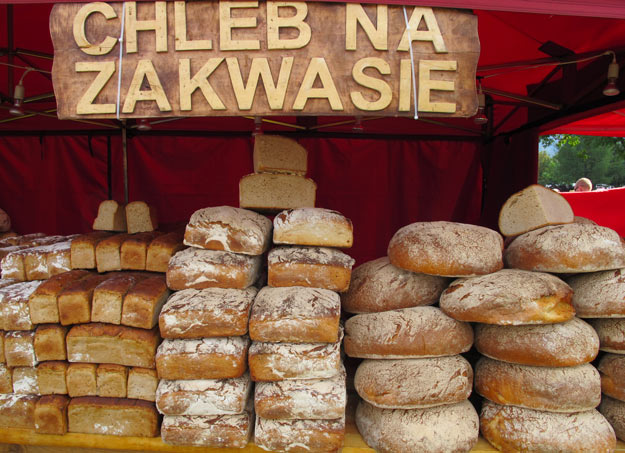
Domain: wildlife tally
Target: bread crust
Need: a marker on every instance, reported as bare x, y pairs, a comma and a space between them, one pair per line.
300, 436
108, 297
275, 192
49, 342
82, 379
614, 412
14, 309
51, 377
19, 348
82, 250
612, 370
161, 249
313, 226
143, 302
108, 253
611, 334
6, 379
134, 250
17, 411
43, 301
215, 431
74, 302
51, 414
142, 383
599, 294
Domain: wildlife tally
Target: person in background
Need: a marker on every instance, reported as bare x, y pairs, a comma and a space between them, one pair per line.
583, 185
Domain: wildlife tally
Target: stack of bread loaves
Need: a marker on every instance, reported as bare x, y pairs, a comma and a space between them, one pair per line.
540, 389
414, 382
295, 360
204, 384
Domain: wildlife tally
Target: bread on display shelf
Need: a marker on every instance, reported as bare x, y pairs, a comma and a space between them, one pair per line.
299, 436
111, 380
313, 226
210, 312
6, 379
82, 379
214, 431
17, 411
407, 333
19, 348
14, 309
111, 217
143, 302
40, 263
440, 429
563, 344
599, 294
611, 334
614, 411
269, 192
141, 217
51, 414
25, 380
43, 301
134, 250
142, 383
275, 154
509, 297
295, 315
379, 286
108, 255
460, 250
229, 229
50, 342
74, 301
82, 250
612, 370
52, 377
511, 428
161, 249
315, 267
108, 297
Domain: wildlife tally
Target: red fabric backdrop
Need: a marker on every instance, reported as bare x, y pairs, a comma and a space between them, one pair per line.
606, 207
55, 184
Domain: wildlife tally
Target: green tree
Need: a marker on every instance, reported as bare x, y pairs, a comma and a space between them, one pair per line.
546, 168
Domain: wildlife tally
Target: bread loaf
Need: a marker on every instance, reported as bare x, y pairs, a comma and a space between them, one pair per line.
309, 399
275, 154
58, 259
108, 297
611, 334
509, 297
111, 217
564, 344
205, 358
52, 378
74, 301
532, 208
554, 389
43, 301
229, 229
5, 221
112, 416
50, 342
299, 436
569, 248
40, 263
17, 411
82, 250
614, 412
4, 282
379, 286
316, 267
19, 348
111, 380
82, 379
408, 333
213, 431
446, 248
142, 384
105, 343
511, 428
2, 358
599, 294
140, 217
203, 396
13, 265
211, 312
25, 380
143, 302
134, 250
438, 429
14, 311
161, 249
295, 315
108, 253
199, 269
6, 379
51, 414
313, 226
612, 371
276, 192
414, 383
280, 361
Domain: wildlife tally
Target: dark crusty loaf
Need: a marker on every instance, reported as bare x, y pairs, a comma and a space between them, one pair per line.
614, 411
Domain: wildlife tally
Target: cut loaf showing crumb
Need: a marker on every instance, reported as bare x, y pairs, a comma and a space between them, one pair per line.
141, 217
274, 154
276, 192
111, 217
532, 208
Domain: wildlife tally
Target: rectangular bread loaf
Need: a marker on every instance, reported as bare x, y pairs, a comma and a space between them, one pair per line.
300, 435
82, 251
111, 380
141, 217
111, 216
37, 260
134, 250
204, 358
4, 282
59, 259
74, 301
161, 249
105, 343
25, 380
51, 414
108, 297
275, 154
52, 377
213, 431
50, 342
108, 253
142, 383
17, 411
14, 311
199, 269
211, 312
6, 379
2, 359
81, 379
43, 301
275, 192
143, 302
19, 348
13, 264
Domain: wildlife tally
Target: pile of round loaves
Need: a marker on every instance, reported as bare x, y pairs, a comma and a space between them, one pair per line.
539, 387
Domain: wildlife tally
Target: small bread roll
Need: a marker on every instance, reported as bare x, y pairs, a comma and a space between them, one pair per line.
446, 248
611, 334
614, 411
612, 370
568, 248
408, 333
509, 296
379, 286
511, 428
443, 429
561, 389
599, 294
563, 344
414, 383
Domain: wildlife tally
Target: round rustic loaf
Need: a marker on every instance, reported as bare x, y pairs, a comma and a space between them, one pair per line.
611, 334
407, 333
563, 344
509, 297
313, 226
599, 294
554, 389
446, 248
569, 248
511, 428
379, 286
414, 383
612, 370
449, 428
614, 411
5, 221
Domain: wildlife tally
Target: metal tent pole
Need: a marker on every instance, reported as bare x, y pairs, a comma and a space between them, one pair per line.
125, 159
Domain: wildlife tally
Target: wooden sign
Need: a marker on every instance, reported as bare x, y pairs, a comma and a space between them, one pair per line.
232, 58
